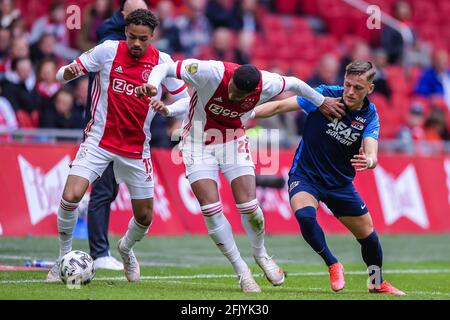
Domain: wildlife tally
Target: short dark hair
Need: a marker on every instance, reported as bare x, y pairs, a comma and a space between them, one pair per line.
360, 68
142, 17
246, 77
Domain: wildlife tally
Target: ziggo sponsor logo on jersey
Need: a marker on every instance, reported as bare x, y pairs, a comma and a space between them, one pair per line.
219, 110
121, 86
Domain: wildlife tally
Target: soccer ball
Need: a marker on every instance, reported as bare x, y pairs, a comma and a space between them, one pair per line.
77, 268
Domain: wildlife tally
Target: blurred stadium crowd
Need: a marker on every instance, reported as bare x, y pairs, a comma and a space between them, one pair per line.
310, 39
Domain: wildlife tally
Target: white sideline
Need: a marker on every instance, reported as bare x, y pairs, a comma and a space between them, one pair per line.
221, 276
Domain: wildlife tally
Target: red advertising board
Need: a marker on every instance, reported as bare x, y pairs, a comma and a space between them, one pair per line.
404, 194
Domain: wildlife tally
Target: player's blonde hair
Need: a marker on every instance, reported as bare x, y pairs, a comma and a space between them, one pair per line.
360, 68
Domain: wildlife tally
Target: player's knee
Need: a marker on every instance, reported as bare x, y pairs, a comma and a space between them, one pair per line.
306, 216
145, 219
73, 195
372, 239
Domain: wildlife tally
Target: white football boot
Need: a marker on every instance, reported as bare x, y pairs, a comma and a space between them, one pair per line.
54, 273
130, 264
248, 283
272, 271
108, 262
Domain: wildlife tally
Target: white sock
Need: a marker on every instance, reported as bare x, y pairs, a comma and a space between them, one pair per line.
67, 219
135, 233
219, 229
252, 219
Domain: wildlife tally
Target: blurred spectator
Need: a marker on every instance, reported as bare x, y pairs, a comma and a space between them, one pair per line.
169, 35
55, 23
360, 51
222, 46
8, 13
20, 92
19, 29
436, 129
244, 47
435, 81
380, 80
19, 49
326, 72
194, 28
223, 13
61, 114
94, 15
47, 85
5, 45
45, 49
413, 130
392, 39
247, 12
8, 120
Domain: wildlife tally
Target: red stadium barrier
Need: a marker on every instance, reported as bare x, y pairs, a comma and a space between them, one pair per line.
404, 194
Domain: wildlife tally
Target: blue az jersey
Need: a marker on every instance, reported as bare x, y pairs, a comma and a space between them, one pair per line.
326, 149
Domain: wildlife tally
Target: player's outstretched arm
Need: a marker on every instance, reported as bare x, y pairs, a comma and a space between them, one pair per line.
160, 72
367, 157
69, 72
330, 108
272, 108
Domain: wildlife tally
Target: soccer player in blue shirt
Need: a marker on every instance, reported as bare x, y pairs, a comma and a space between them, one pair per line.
324, 166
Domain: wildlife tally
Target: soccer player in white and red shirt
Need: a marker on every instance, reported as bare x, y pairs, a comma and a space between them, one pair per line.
119, 131
214, 138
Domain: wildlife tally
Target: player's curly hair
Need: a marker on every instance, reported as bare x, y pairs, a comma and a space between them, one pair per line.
246, 77
142, 17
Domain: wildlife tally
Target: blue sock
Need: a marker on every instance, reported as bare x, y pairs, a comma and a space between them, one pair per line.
372, 253
313, 233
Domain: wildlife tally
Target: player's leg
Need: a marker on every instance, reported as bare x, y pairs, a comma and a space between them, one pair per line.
74, 191
351, 211
89, 164
138, 176
243, 185
103, 193
138, 227
219, 229
304, 202
202, 169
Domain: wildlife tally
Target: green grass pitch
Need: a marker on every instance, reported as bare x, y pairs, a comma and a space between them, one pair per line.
191, 267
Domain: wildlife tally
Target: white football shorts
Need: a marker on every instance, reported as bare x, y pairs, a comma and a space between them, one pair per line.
204, 161
137, 174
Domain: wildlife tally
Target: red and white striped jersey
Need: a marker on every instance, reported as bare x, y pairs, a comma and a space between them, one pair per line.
120, 120
211, 109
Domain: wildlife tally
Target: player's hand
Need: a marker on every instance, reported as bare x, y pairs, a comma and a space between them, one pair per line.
332, 108
361, 162
146, 90
159, 106
74, 70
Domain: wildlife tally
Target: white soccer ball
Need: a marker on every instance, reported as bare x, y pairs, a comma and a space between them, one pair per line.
77, 268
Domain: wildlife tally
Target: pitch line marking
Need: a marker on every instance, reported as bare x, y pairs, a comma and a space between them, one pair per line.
222, 276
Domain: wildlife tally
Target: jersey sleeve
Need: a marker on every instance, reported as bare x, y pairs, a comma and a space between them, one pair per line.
273, 84
93, 59
173, 86
373, 128
307, 105
195, 72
